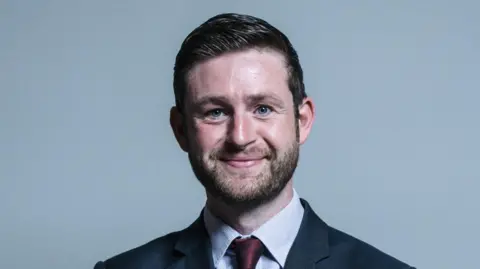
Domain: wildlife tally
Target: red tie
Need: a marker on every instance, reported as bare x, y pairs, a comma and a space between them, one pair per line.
247, 252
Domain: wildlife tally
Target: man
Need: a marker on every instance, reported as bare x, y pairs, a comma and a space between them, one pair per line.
241, 115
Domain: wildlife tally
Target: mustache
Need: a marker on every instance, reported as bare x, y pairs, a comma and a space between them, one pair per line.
228, 153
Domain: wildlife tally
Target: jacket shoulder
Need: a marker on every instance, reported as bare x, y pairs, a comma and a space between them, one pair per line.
157, 253
359, 254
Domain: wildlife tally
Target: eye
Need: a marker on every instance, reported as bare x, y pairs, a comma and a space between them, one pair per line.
263, 110
214, 113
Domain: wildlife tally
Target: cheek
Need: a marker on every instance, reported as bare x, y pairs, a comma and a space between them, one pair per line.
279, 133
207, 136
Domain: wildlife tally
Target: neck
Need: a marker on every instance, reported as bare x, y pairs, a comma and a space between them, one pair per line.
245, 221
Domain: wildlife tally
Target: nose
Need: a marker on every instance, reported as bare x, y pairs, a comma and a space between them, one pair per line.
241, 131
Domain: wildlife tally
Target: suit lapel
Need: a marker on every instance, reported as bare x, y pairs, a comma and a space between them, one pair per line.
311, 243
194, 247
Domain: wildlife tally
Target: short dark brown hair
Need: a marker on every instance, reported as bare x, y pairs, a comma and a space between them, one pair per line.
231, 32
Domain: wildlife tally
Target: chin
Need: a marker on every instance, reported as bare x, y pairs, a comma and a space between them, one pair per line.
240, 198
243, 188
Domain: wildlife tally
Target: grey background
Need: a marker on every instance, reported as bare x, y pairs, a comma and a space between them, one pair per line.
89, 166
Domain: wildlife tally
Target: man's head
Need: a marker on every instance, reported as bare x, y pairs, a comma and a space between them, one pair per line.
241, 109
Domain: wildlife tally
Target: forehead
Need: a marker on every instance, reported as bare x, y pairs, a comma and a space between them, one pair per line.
239, 74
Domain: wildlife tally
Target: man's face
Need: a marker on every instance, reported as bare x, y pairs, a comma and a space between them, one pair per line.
239, 126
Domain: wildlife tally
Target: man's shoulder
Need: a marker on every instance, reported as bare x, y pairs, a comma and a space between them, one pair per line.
158, 252
345, 248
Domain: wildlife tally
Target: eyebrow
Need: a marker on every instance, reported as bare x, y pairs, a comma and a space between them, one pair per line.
250, 100
265, 98
211, 99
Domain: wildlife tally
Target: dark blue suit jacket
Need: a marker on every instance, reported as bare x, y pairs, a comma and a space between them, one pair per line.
317, 246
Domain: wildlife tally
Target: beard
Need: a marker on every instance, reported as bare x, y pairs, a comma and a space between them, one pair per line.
245, 189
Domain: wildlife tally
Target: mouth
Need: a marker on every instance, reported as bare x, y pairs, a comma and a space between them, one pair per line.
242, 163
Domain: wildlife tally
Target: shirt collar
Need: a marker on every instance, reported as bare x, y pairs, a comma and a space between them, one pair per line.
221, 235
277, 234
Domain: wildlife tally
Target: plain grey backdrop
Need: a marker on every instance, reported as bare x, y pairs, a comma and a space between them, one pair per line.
89, 166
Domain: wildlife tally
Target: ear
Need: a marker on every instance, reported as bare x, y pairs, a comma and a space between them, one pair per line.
178, 127
306, 113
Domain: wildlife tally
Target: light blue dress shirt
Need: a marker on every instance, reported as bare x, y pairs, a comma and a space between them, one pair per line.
277, 234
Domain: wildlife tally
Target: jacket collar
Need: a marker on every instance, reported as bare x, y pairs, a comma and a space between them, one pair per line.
194, 245
310, 246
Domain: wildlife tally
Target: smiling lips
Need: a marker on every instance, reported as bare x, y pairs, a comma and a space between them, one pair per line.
243, 162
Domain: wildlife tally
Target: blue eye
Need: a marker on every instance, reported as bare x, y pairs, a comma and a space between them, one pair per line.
215, 113
263, 110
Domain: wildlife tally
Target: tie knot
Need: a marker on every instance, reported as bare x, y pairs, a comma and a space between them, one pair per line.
247, 252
